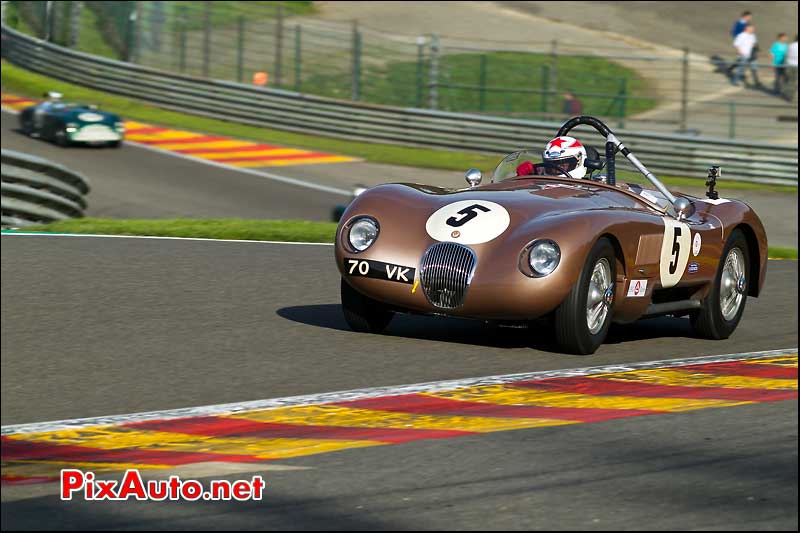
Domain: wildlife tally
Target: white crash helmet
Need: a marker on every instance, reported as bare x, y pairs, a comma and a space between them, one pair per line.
569, 154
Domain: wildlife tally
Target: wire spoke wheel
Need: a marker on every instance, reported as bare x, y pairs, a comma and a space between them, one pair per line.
600, 296
733, 284
724, 305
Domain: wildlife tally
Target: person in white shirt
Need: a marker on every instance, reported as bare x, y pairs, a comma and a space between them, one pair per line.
790, 88
746, 44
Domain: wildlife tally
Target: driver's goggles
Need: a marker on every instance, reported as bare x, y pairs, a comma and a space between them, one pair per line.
556, 166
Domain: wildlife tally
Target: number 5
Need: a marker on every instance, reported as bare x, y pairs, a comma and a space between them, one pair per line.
675, 247
676, 250
469, 213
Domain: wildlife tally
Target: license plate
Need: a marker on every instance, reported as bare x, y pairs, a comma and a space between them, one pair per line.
366, 268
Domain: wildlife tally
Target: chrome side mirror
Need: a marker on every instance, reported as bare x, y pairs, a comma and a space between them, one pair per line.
473, 177
683, 208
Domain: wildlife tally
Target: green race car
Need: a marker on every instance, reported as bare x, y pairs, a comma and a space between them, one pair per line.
68, 123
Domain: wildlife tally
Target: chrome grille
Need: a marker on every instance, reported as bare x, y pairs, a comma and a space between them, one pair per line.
445, 273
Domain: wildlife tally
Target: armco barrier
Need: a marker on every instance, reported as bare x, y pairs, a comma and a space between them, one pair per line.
37, 191
285, 110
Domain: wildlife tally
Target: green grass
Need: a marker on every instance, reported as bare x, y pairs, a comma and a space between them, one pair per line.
16, 20
512, 82
22, 82
90, 40
229, 12
233, 228
257, 230
782, 252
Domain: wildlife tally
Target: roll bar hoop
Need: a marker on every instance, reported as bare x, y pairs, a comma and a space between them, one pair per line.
613, 145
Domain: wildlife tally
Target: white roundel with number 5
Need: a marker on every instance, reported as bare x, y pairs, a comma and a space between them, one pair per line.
675, 250
468, 222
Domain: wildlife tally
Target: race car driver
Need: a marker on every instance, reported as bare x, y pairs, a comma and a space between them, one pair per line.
565, 154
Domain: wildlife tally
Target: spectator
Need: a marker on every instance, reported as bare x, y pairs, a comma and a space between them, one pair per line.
572, 105
746, 50
741, 24
778, 52
790, 88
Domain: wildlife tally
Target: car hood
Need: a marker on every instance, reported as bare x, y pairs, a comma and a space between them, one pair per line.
85, 115
524, 198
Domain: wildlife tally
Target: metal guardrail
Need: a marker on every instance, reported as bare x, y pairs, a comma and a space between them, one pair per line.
291, 111
37, 191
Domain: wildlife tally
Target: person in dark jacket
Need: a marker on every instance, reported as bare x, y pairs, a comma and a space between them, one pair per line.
741, 24
572, 105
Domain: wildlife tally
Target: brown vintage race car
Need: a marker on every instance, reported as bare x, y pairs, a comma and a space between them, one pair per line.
583, 252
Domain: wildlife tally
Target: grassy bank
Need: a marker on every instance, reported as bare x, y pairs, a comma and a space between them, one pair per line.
232, 228
229, 228
19, 81
510, 83
192, 14
782, 252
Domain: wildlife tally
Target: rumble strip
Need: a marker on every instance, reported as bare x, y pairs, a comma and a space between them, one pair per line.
213, 148
265, 430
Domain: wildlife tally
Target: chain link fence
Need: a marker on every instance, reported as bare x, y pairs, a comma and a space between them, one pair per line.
282, 45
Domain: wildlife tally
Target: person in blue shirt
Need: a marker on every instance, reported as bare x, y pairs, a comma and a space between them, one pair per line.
738, 27
741, 24
778, 51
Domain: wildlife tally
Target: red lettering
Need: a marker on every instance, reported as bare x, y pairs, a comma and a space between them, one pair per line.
241, 490
174, 487
191, 490
258, 487
220, 490
71, 480
158, 490
105, 490
132, 484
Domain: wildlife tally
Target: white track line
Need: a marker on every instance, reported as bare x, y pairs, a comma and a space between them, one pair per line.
357, 394
250, 171
23, 234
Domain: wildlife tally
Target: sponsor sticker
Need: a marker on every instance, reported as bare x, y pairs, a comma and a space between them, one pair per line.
637, 288
378, 270
696, 244
693, 267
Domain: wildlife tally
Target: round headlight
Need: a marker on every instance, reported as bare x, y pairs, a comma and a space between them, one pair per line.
363, 233
544, 257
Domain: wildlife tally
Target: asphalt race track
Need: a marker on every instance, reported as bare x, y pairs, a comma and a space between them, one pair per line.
131, 182
100, 326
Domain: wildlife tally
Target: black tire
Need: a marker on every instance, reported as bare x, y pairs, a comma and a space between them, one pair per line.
115, 144
26, 124
362, 313
573, 334
709, 322
337, 212
60, 136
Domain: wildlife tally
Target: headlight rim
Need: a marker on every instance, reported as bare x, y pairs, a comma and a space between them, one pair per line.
525, 261
349, 226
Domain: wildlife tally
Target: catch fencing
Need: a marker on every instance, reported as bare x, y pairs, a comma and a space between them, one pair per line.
288, 110
654, 89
